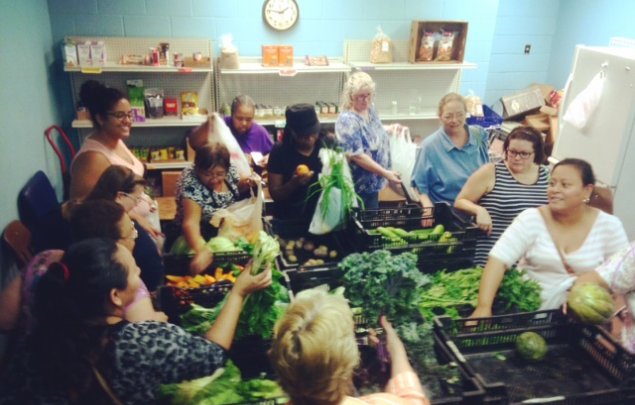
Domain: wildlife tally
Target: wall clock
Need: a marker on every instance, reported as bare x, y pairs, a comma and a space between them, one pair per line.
280, 14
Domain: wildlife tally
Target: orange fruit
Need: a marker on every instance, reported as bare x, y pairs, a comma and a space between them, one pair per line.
301, 170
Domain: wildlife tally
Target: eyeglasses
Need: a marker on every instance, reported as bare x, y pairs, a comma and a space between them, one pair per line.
363, 96
457, 116
120, 115
520, 154
136, 200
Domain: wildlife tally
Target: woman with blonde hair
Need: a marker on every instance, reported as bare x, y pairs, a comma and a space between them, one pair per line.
363, 137
314, 354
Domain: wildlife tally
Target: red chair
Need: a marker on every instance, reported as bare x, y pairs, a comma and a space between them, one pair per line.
66, 176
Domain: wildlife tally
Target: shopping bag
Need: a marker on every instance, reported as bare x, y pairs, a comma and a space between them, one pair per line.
242, 219
403, 152
220, 132
337, 198
584, 104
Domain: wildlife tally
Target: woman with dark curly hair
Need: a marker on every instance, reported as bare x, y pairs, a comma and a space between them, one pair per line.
82, 351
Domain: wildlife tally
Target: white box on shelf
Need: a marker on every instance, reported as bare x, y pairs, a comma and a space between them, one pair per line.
83, 54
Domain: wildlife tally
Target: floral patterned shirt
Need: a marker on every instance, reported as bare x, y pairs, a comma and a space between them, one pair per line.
356, 136
190, 187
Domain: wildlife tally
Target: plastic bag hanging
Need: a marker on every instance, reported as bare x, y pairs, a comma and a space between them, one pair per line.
337, 195
381, 48
220, 132
584, 104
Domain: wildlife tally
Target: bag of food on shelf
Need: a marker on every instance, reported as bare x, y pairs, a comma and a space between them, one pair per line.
228, 53
241, 219
381, 48
446, 46
220, 132
426, 50
403, 152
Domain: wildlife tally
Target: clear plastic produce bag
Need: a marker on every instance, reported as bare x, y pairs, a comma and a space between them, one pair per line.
403, 152
220, 132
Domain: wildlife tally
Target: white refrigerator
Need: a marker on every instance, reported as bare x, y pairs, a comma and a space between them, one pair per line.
607, 140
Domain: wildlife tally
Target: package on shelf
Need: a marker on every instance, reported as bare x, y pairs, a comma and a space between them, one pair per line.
189, 103
437, 41
83, 54
153, 99
269, 55
136, 97
98, 53
170, 106
69, 49
285, 55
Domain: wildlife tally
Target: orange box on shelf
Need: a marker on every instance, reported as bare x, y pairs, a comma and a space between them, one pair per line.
285, 55
270, 55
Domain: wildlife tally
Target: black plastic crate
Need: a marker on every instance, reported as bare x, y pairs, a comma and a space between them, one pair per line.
374, 374
176, 301
432, 255
289, 230
304, 278
584, 364
179, 265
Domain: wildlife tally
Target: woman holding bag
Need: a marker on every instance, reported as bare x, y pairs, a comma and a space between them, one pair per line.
210, 184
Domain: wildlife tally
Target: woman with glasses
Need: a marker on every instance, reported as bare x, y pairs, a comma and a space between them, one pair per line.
497, 192
554, 243
123, 186
450, 155
363, 137
210, 184
111, 116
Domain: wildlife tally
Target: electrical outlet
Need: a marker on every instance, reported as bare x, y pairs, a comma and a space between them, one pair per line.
527, 49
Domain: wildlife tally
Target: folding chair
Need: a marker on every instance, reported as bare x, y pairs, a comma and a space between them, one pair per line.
66, 176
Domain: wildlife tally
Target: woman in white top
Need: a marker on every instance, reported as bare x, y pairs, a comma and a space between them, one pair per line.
556, 242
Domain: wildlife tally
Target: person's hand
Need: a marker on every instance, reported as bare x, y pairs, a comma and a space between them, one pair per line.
303, 179
484, 221
201, 261
393, 343
246, 283
392, 177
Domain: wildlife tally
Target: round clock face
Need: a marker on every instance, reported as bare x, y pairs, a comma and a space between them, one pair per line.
280, 14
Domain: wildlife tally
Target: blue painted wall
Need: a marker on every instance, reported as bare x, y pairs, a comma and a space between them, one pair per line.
28, 103
588, 22
521, 23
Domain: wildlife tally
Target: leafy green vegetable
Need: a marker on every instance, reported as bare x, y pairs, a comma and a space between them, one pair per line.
221, 244
383, 284
335, 179
451, 293
225, 386
266, 248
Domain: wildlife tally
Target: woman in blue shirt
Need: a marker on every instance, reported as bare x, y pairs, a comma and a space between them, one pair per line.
364, 139
450, 155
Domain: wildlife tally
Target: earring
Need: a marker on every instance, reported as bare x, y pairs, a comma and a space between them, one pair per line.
586, 200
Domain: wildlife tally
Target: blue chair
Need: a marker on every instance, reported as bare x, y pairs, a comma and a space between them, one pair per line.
41, 213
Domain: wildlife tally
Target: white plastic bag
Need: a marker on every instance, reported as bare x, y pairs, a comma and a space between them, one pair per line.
220, 132
403, 152
583, 106
335, 203
241, 219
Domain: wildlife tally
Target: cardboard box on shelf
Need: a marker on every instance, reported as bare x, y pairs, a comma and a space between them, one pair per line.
525, 102
270, 55
285, 55
449, 41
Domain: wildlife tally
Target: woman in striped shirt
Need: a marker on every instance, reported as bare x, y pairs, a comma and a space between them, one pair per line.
556, 242
314, 354
497, 192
